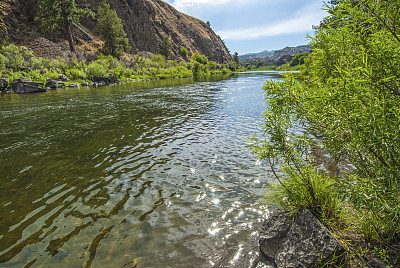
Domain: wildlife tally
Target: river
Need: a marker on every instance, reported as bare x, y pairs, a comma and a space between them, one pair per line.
145, 174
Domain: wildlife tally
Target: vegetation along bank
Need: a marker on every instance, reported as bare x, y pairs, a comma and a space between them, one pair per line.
106, 57
348, 106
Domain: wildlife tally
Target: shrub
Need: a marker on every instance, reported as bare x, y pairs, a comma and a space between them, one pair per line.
196, 57
196, 67
349, 104
75, 74
211, 65
184, 52
16, 57
118, 71
96, 69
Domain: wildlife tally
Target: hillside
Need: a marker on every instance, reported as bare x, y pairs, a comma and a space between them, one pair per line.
145, 22
262, 54
274, 57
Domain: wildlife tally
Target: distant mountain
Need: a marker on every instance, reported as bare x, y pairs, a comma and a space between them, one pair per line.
270, 57
262, 54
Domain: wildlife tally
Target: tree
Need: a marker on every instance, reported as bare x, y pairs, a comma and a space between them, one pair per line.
165, 46
61, 14
111, 31
236, 58
298, 59
349, 104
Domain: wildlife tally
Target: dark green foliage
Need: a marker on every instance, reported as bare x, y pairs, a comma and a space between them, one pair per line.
298, 59
59, 15
260, 64
236, 58
248, 66
184, 52
110, 29
165, 46
196, 57
348, 104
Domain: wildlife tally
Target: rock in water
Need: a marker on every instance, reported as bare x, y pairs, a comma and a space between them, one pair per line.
304, 242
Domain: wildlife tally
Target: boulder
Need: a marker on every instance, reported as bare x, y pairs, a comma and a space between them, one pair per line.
51, 84
16, 82
63, 77
100, 80
302, 242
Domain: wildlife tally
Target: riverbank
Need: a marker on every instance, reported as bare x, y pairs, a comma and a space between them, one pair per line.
18, 62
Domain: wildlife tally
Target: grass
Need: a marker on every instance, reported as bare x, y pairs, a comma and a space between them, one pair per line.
20, 62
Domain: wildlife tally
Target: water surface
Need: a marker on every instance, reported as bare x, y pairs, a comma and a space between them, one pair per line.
151, 174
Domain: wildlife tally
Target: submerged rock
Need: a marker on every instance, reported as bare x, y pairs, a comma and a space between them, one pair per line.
302, 242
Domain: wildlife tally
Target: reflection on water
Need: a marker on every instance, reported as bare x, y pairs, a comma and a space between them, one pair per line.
152, 174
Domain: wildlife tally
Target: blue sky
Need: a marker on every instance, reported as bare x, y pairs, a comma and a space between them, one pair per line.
255, 25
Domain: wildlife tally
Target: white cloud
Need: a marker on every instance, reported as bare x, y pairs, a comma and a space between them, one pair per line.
301, 22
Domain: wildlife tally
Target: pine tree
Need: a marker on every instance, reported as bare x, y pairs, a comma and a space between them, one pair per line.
165, 46
60, 15
110, 29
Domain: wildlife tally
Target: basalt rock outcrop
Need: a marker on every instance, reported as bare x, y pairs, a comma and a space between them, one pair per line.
144, 21
302, 242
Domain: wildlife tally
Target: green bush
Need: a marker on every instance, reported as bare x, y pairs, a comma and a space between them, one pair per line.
196, 67
75, 74
118, 71
184, 51
211, 65
349, 104
15, 57
96, 69
196, 57
298, 59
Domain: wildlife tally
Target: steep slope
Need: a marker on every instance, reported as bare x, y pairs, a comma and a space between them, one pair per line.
145, 22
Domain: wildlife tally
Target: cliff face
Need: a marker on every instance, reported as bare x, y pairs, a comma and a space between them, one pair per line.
145, 22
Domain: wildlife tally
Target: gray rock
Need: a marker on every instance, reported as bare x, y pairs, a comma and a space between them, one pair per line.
304, 242
63, 77
273, 234
377, 263
51, 84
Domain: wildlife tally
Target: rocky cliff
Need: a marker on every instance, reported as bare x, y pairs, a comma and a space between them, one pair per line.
145, 22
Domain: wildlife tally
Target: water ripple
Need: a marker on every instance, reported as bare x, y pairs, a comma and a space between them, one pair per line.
131, 176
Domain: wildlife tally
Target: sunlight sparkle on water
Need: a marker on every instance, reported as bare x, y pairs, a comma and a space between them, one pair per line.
200, 197
237, 256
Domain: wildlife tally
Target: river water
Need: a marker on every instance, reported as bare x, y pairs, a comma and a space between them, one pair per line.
146, 174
